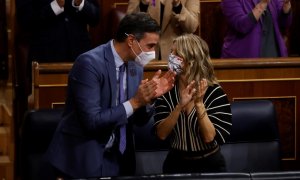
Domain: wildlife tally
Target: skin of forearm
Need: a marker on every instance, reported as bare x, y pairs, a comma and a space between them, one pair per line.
206, 128
165, 127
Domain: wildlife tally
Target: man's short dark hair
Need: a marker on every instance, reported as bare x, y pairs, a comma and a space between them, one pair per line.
136, 24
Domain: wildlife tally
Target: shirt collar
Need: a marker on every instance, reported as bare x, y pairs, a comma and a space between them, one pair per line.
118, 60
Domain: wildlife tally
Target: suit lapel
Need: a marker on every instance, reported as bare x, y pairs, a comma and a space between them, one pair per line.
132, 79
111, 69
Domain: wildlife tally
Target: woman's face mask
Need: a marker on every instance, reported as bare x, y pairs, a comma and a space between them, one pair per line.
175, 64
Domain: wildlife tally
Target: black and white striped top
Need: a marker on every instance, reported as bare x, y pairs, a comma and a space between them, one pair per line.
185, 135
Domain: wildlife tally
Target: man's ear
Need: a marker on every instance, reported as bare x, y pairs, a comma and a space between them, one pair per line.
130, 40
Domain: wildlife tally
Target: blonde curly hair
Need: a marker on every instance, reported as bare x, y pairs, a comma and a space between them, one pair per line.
195, 52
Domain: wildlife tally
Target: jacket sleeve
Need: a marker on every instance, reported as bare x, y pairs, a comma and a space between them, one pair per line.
133, 6
219, 112
89, 89
238, 16
91, 12
284, 20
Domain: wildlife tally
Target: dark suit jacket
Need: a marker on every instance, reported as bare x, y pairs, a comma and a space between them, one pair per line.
57, 38
91, 116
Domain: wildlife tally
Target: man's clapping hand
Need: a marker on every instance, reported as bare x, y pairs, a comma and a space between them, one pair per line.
164, 83
144, 95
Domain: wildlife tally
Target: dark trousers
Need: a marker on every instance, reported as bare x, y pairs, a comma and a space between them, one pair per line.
127, 163
174, 163
48, 172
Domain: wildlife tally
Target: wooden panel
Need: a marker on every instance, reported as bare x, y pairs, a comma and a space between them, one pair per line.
7, 151
285, 103
48, 99
293, 36
213, 26
6, 171
121, 6
101, 33
4, 139
49, 84
274, 79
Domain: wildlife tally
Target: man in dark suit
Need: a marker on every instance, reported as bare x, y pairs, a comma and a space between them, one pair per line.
58, 29
86, 142
50, 31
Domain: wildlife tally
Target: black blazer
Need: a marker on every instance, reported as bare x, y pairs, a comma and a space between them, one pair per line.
56, 38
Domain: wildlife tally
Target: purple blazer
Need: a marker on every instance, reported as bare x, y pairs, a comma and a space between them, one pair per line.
244, 35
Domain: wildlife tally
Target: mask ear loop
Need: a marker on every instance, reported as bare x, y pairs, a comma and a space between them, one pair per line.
130, 44
136, 41
139, 46
132, 49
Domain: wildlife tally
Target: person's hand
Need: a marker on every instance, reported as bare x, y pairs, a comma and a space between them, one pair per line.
164, 83
144, 95
263, 4
286, 6
201, 88
187, 94
61, 3
175, 3
260, 8
77, 2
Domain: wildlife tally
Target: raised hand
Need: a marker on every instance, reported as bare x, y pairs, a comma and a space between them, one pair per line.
263, 4
286, 6
144, 95
164, 83
187, 94
260, 8
201, 88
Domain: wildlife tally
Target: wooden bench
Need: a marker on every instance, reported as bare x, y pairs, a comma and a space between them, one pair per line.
49, 85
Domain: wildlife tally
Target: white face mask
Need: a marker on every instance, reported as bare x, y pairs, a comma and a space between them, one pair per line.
144, 57
175, 64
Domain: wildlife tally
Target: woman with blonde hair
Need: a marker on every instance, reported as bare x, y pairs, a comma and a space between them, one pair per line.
195, 116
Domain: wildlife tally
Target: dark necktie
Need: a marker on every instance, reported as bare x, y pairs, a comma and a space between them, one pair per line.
122, 98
